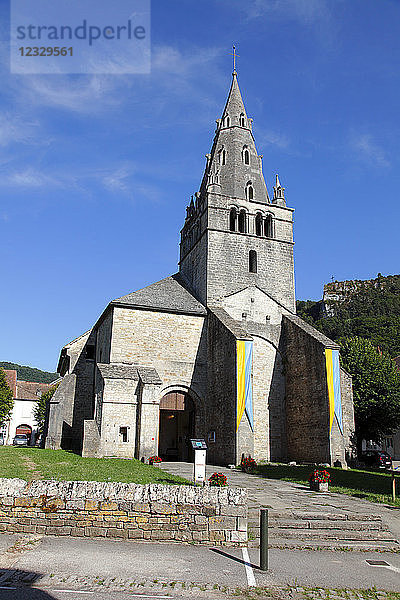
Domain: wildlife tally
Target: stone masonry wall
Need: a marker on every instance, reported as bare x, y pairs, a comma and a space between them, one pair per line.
228, 255
221, 409
126, 511
307, 403
171, 343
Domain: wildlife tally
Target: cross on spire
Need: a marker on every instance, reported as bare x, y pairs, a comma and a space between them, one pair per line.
234, 59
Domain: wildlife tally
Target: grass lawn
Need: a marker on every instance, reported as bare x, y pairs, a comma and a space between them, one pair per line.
35, 463
373, 486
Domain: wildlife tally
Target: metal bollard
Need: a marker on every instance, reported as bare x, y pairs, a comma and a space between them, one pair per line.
264, 539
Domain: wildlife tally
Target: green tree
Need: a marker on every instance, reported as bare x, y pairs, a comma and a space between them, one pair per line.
40, 410
376, 388
6, 399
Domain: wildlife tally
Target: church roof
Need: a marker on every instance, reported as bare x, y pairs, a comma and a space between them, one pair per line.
167, 295
135, 372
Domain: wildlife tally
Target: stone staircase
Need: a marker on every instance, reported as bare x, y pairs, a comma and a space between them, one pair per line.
323, 530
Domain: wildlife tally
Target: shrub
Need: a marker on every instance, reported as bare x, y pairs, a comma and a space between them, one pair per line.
248, 463
218, 479
154, 460
319, 476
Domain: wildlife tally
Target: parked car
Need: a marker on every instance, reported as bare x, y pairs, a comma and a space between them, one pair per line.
377, 458
20, 440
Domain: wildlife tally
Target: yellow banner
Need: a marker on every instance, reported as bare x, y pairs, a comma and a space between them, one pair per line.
241, 380
331, 393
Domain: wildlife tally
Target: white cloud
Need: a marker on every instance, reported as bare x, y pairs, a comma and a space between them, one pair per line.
173, 73
272, 138
118, 179
368, 150
121, 180
82, 94
13, 129
30, 178
171, 61
305, 11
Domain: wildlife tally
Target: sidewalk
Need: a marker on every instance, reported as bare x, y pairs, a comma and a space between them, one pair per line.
292, 499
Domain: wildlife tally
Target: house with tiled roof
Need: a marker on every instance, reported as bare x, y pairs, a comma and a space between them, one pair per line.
22, 420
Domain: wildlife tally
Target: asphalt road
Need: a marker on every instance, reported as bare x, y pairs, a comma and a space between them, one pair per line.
76, 568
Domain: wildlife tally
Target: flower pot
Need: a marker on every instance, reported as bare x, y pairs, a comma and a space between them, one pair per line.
319, 486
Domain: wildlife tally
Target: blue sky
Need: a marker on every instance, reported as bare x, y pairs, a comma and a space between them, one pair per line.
96, 170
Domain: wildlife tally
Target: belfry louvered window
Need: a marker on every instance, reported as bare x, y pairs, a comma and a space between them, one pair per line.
242, 222
232, 219
259, 224
269, 227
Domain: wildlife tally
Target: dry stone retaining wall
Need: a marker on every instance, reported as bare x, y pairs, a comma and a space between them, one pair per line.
153, 512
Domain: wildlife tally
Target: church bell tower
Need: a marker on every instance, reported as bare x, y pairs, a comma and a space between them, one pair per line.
235, 236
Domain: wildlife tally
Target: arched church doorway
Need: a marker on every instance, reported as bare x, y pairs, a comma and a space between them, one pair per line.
176, 426
25, 429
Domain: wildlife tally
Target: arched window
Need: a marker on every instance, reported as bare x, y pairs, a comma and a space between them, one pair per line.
253, 261
227, 121
242, 120
222, 156
259, 224
232, 219
242, 221
249, 191
269, 227
246, 156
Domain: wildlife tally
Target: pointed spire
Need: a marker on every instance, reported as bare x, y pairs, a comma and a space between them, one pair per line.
233, 163
234, 112
279, 192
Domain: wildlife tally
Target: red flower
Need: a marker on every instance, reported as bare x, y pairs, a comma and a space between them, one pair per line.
319, 476
218, 479
248, 463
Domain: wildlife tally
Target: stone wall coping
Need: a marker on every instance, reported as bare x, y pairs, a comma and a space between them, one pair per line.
96, 490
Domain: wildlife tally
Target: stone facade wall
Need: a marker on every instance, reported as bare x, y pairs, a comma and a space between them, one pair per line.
126, 511
261, 317
103, 338
174, 344
307, 400
61, 410
268, 402
73, 402
307, 404
221, 409
193, 266
346, 391
119, 409
257, 306
228, 265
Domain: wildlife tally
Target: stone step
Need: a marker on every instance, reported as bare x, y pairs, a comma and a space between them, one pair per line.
327, 534
318, 516
357, 545
314, 524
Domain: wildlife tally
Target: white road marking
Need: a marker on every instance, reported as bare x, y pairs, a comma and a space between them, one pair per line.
71, 591
3, 587
251, 580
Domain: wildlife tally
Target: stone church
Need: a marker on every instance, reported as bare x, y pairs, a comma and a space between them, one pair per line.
216, 350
